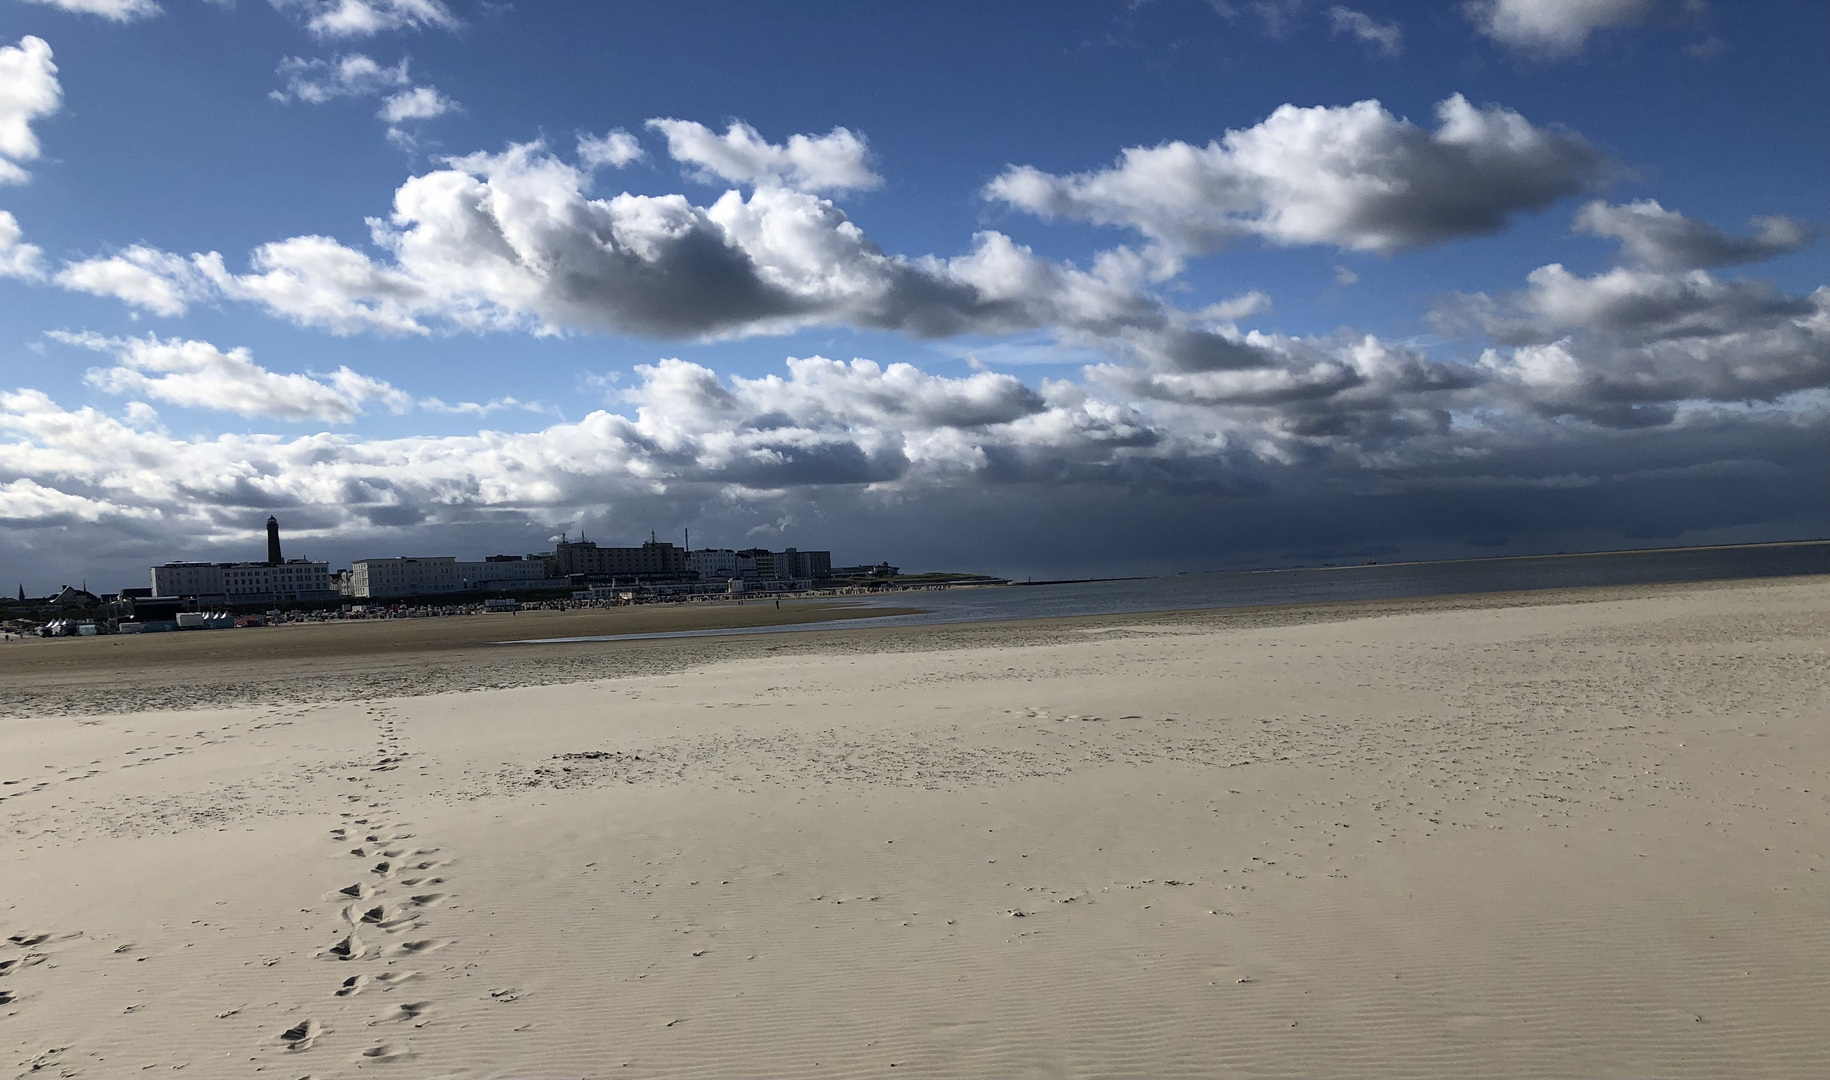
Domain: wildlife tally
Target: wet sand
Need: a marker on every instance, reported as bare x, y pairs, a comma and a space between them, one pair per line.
1574, 833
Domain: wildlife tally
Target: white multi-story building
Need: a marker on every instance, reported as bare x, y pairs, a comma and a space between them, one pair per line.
299, 580
296, 580
721, 564
759, 564
432, 575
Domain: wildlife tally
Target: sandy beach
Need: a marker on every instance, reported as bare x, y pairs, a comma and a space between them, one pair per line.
1575, 833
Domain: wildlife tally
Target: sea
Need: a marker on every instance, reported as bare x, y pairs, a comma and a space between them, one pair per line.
1305, 585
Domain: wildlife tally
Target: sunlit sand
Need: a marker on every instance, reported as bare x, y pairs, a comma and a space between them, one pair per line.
1574, 833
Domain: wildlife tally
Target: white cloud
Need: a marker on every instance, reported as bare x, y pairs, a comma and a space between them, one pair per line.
197, 374
1344, 276
112, 10
1665, 239
1551, 28
477, 408
357, 75
1348, 414
316, 281
419, 103
28, 90
1628, 346
835, 161
142, 277
511, 242
25, 501
826, 423
1382, 39
18, 259
616, 149
1355, 177
1243, 306
316, 81
366, 18
1628, 303
410, 107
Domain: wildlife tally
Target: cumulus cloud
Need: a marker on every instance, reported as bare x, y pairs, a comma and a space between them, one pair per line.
18, 259
197, 374
1353, 415
511, 241
366, 18
112, 10
1235, 308
616, 149
1551, 28
1355, 177
835, 161
1381, 39
409, 107
1667, 240
825, 423
28, 90
1629, 345
145, 278
1627, 303
317, 80
419, 103
27, 502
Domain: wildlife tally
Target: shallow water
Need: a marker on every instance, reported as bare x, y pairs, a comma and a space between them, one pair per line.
1230, 589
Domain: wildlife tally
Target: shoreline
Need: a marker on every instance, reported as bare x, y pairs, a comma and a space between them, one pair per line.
207, 679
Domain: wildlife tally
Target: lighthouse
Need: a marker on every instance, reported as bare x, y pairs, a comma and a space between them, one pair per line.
273, 542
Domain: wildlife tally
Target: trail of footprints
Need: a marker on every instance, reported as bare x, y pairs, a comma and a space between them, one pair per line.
134, 757
386, 911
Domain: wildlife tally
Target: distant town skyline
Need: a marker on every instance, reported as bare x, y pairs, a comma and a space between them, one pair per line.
1068, 289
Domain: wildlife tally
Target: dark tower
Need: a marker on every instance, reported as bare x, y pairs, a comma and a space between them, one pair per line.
273, 542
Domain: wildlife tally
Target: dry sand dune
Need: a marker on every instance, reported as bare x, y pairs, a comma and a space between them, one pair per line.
1483, 836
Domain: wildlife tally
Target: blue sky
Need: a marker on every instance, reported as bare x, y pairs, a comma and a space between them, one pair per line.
1176, 285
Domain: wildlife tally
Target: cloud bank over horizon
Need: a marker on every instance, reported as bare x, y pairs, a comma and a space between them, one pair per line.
1671, 391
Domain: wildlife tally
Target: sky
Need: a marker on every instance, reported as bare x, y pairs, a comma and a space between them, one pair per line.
1076, 288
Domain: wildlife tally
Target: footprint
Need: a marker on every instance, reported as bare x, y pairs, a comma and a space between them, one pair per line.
350, 948
361, 890
386, 916
7, 967
388, 1052
352, 986
415, 882
412, 1010
384, 868
394, 978
423, 945
6, 997
301, 1035
431, 899
26, 941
